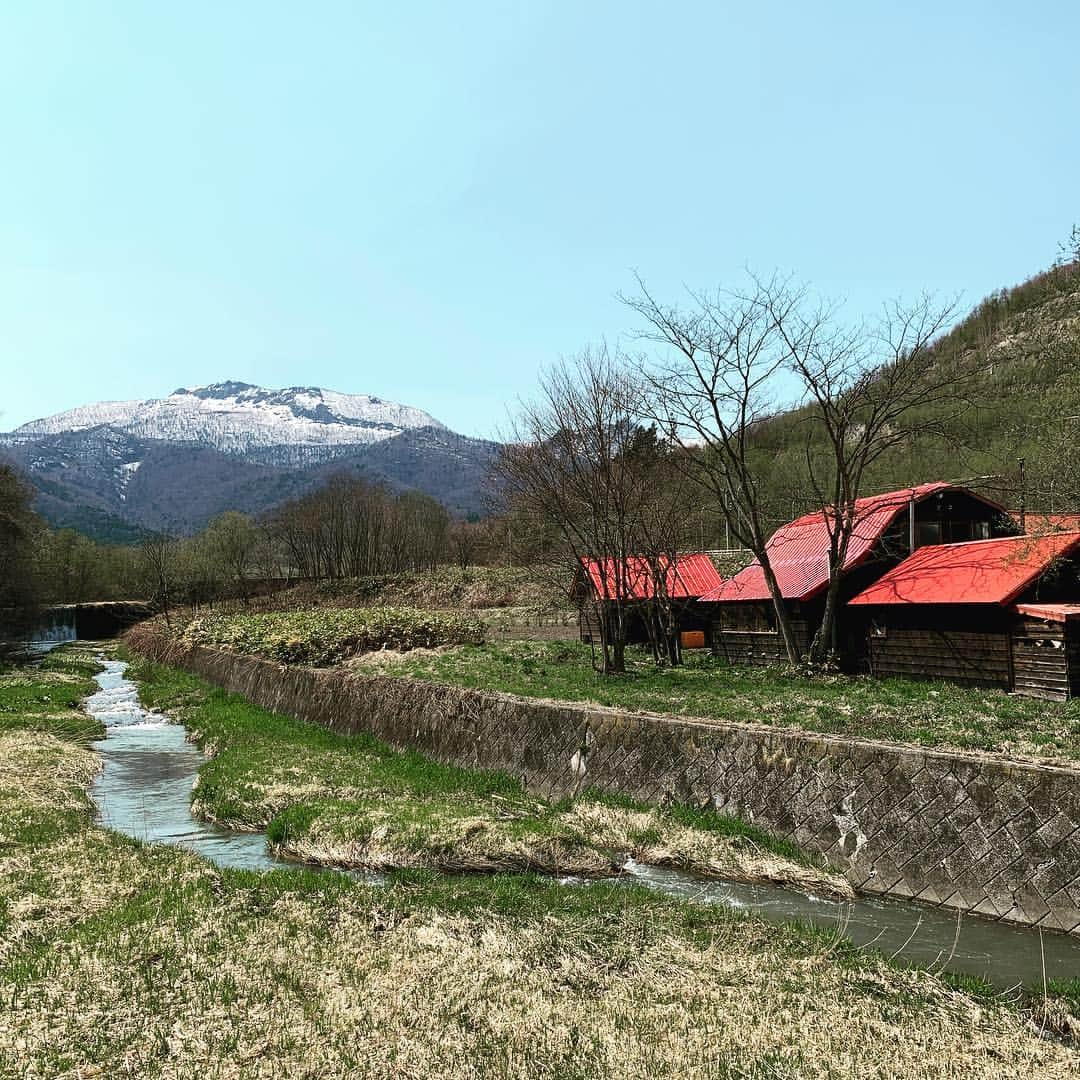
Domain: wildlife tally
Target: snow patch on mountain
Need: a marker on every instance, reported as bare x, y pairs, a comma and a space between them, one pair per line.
236, 418
127, 471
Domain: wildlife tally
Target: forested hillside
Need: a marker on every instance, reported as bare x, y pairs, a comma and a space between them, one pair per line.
1020, 353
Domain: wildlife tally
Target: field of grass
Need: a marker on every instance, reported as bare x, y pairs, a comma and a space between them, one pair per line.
121, 959
925, 713
352, 801
31, 702
330, 635
478, 587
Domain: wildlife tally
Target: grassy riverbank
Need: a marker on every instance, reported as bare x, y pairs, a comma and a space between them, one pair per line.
121, 959
926, 713
352, 801
444, 647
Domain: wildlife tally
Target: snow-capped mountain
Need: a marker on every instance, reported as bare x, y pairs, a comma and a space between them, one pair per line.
238, 418
115, 468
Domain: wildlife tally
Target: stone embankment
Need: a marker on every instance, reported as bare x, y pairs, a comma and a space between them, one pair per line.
979, 834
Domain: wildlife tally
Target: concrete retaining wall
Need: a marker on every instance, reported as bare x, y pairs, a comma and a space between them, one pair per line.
977, 834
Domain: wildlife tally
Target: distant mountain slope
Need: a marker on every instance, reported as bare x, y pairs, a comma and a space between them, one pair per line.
1021, 349
115, 468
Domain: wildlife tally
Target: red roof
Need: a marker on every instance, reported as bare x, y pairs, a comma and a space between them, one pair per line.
691, 576
799, 552
1051, 612
1038, 522
978, 572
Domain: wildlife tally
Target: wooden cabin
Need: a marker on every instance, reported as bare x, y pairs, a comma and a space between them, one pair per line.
600, 583
1002, 613
888, 528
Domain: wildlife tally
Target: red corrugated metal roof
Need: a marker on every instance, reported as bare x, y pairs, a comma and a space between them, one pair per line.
1038, 522
799, 552
691, 577
1051, 612
978, 572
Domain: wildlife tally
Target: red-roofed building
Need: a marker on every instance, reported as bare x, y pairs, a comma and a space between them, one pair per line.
689, 579
1002, 612
634, 583
1037, 522
888, 527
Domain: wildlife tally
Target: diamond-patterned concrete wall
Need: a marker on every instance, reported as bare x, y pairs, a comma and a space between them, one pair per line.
977, 834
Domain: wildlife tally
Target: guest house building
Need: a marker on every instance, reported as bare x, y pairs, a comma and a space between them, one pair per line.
888, 528
1001, 612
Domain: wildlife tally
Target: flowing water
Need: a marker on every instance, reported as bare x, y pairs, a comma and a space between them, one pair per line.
145, 787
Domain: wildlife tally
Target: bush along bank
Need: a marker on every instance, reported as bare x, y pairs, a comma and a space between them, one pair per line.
352, 801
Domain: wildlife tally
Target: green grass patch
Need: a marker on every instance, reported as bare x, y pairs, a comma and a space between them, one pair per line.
353, 800
1069, 992
926, 713
46, 697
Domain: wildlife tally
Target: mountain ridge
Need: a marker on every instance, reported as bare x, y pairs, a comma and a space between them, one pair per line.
236, 416
115, 469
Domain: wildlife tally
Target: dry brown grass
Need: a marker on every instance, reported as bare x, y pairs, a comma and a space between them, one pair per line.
585, 839
244, 991
118, 959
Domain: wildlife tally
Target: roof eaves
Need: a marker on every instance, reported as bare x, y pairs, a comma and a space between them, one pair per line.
1040, 569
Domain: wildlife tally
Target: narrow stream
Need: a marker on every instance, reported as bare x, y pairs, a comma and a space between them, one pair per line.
144, 791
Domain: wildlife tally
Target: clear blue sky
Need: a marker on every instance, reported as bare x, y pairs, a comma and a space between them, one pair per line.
429, 201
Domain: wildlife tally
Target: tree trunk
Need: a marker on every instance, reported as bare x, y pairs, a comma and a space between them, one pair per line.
823, 639
618, 657
783, 620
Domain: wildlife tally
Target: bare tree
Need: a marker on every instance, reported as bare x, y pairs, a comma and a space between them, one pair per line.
721, 377
232, 540
464, 539
1069, 248
865, 390
352, 528
659, 531
158, 555
735, 358
565, 462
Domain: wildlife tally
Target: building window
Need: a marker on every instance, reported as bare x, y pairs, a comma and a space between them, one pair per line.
929, 532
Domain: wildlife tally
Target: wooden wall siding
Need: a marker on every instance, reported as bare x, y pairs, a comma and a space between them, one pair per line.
957, 655
1045, 659
757, 647
588, 625
688, 617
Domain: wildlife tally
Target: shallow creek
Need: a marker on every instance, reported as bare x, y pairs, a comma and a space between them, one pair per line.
144, 791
